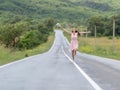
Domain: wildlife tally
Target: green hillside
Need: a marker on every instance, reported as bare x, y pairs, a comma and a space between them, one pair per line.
61, 10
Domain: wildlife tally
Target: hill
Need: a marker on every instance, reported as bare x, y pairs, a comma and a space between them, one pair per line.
61, 10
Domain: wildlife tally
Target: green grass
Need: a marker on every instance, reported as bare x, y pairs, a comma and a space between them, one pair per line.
9, 55
103, 47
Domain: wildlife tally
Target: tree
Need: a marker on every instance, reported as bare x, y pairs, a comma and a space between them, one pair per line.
103, 25
50, 24
95, 21
30, 39
117, 23
10, 33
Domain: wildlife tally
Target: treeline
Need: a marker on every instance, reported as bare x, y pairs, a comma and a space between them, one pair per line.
104, 25
25, 34
97, 6
61, 10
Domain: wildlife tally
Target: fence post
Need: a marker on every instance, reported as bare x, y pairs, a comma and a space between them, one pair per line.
95, 37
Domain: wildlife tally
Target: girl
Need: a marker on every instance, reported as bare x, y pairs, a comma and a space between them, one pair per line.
74, 40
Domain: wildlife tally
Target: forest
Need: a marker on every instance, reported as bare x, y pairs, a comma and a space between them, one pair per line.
61, 10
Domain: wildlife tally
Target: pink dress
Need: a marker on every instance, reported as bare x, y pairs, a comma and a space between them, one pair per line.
74, 41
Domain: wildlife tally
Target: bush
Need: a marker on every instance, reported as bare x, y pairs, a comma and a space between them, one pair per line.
10, 33
110, 37
30, 39
118, 37
99, 35
25, 35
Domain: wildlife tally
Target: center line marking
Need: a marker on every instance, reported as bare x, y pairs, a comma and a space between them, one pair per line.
92, 82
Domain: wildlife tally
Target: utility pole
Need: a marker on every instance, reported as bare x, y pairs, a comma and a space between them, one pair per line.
86, 33
95, 37
113, 40
81, 31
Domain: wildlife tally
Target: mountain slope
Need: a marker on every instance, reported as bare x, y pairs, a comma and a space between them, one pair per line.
61, 10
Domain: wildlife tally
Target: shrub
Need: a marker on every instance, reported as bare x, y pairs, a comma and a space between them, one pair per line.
117, 37
110, 37
30, 39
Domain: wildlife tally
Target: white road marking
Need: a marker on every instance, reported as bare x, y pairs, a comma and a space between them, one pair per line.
14, 62
92, 82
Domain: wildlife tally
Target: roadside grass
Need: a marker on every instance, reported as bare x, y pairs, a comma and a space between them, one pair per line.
101, 46
8, 55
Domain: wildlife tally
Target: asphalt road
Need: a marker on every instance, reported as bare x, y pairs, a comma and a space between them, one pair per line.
55, 70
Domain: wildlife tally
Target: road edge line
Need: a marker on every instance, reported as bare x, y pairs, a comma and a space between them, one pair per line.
24, 59
92, 82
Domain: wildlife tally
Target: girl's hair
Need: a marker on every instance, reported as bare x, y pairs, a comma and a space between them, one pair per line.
76, 31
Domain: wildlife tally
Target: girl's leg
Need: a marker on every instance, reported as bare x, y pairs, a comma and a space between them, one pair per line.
73, 54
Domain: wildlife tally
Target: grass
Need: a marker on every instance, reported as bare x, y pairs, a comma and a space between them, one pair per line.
101, 46
8, 55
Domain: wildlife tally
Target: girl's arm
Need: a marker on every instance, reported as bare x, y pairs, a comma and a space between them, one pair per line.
66, 31
84, 32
